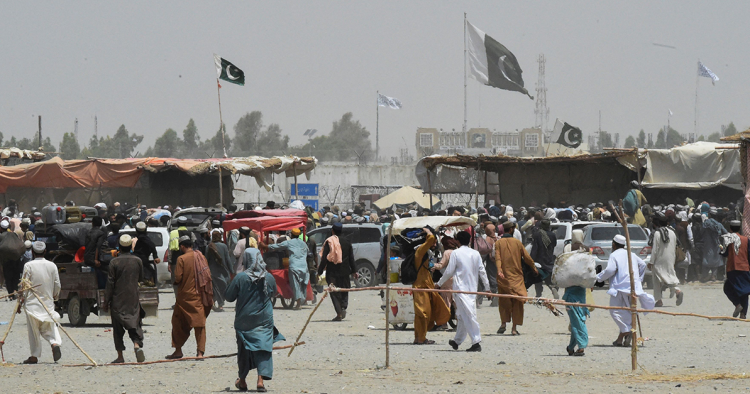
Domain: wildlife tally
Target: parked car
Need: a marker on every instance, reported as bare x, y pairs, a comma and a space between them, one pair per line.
160, 237
365, 239
598, 238
197, 218
564, 233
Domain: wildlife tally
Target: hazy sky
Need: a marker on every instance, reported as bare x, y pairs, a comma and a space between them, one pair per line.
149, 65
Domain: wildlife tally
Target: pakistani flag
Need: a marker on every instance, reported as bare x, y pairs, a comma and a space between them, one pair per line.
567, 135
492, 63
229, 72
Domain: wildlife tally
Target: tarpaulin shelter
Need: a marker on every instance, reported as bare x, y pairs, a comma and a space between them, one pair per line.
268, 213
265, 224
153, 181
404, 197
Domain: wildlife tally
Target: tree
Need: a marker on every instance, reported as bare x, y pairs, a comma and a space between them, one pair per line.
630, 142
714, 137
271, 142
168, 145
214, 147
348, 140
673, 138
701, 138
729, 130
190, 140
605, 140
246, 133
1, 139
126, 142
641, 141
661, 140
69, 148
121, 145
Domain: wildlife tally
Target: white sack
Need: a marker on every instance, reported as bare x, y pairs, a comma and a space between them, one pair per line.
576, 268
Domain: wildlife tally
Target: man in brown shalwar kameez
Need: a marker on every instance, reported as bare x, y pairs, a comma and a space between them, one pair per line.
122, 299
189, 312
510, 255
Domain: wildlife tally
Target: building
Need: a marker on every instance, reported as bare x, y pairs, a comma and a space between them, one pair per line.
526, 143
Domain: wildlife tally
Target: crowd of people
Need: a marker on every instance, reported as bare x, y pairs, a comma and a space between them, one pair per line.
510, 250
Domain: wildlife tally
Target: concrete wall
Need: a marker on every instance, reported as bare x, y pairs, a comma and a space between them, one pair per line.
332, 177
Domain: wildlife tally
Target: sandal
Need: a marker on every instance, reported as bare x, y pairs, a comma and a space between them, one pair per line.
616, 344
515, 333
261, 389
501, 330
579, 353
117, 362
570, 351
426, 342
30, 361
173, 357
237, 385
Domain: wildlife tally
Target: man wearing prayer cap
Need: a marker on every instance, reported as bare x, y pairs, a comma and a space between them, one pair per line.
145, 248
618, 274
42, 276
121, 298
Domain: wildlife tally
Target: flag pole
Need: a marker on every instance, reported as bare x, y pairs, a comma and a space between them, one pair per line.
695, 121
377, 125
465, 108
223, 145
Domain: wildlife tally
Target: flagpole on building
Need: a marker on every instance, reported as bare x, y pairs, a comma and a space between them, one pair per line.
377, 125
465, 118
223, 145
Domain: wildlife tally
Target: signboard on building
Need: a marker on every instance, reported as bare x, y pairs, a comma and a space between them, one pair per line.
305, 189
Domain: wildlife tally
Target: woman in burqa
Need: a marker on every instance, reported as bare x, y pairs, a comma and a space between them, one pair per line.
221, 266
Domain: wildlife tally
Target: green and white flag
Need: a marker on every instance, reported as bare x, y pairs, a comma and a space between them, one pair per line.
566, 135
227, 71
492, 63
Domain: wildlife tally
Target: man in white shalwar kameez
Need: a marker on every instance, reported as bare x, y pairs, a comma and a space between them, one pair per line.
664, 244
618, 273
466, 268
42, 273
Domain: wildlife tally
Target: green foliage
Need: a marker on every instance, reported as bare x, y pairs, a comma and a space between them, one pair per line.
246, 133
213, 146
122, 145
271, 142
714, 137
673, 138
641, 141
191, 140
661, 140
605, 141
69, 147
730, 130
347, 141
630, 142
701, 138
168, 145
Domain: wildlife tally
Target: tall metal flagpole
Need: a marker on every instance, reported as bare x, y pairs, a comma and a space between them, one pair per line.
465, 108
377, 125
695, 122
223, 145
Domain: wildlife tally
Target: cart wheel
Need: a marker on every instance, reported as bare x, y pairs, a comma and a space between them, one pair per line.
287, 303
78, 311
401, 326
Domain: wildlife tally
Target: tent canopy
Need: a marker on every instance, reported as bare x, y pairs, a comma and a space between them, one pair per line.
460, 222
407, 195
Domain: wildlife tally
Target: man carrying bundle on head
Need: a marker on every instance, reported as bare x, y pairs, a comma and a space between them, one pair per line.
465, 267
618, 273
429, 308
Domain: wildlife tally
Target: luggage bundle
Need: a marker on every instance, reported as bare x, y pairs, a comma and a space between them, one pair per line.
576, 268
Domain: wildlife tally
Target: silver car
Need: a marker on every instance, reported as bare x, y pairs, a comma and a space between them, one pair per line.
365, 239
598, 238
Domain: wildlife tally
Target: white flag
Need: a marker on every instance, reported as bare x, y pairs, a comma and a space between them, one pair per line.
385, 101
703, 71
670, 113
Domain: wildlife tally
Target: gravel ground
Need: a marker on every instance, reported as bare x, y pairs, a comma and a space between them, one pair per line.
682, 354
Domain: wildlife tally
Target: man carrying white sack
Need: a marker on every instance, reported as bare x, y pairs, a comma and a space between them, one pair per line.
42, 273
618, 273
466, 268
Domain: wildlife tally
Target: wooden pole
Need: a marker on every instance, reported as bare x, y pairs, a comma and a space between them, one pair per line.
296, 188
221, 189
486, 193
12, 319
388, 295
476, 194
429, 189
62, 329
296, 341
221, 120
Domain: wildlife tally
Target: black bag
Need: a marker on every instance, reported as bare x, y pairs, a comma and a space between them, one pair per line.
409, 271
11, 247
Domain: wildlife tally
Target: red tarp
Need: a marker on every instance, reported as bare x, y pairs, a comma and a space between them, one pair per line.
265, 224
268, 213
57, 174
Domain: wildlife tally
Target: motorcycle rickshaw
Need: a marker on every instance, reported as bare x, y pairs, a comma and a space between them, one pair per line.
280, 270
401, 308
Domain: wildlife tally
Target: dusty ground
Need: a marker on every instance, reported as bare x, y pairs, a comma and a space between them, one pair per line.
682, 355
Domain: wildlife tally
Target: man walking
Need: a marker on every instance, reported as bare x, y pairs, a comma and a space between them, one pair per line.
737, 285
429, 308
95, 239
121, 298
466, 268
510, 255
664, 244
189, 312
41, 275
543, 244
298, 274
145, 247
337, 261
618, 272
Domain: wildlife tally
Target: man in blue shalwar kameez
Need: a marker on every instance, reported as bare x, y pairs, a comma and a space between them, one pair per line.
298, 273
253, 322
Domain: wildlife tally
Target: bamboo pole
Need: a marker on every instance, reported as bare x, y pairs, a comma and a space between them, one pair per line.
388, 295
17, 292
62, 329
178, 359
549, 301
12, 319
296, 341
